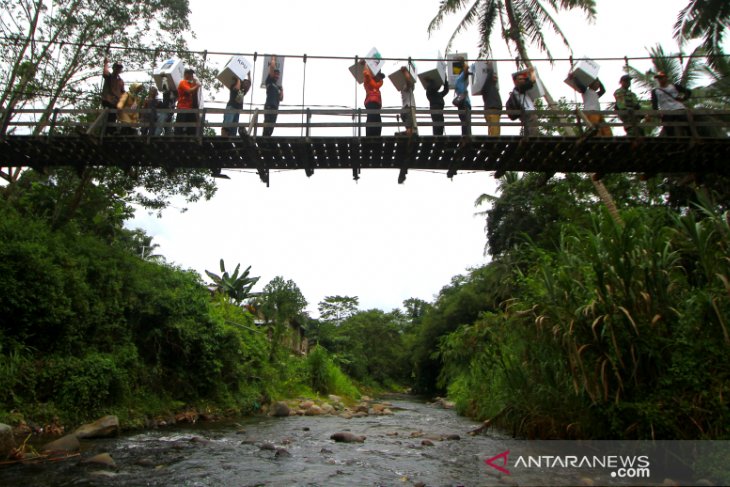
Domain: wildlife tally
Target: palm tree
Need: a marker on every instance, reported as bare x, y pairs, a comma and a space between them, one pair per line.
522, 23
708, 19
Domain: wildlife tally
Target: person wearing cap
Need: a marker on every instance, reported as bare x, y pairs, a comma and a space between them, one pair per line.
520, 99
669, 98
627, 103
111, 92
127, 107
274, 96
187, 92
591, 104
373, 99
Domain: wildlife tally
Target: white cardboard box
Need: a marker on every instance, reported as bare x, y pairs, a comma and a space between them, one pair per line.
399, 80
238, 67
585, 71
169, 73
374, 61
479, 70
279, 64
437, 73
453, 71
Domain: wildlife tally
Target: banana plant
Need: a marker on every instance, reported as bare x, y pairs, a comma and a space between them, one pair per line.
236, 287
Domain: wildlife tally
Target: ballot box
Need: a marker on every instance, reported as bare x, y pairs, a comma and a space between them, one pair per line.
398, 78
279, 65
585, 71
479, 75
374, 61
237, 67
168, 74
453, 70
435, 72
538, 90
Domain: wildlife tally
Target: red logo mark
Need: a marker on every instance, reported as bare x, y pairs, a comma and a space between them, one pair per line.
501, 468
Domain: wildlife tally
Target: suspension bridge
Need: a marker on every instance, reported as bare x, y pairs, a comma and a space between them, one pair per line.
318, 139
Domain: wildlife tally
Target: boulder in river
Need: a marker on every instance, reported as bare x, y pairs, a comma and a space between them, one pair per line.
101, 459
313, 411
347, 437
280, 409
66, 444
101, 428
7, 440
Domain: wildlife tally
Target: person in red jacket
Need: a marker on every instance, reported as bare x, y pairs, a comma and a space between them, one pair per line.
373, 100
187, 92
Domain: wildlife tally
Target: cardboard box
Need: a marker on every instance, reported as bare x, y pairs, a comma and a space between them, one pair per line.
585, 71
453, 71
437, 73
398, 78
479, 70
279, 64
237, 67
537, 91
374, 61
169, 73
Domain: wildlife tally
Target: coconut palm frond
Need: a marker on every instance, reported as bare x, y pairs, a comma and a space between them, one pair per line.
446, 7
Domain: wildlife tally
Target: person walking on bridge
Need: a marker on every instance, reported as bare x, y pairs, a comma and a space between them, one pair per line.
627, 104
669, 98
373, 99
187, 91
111, 92
274, 96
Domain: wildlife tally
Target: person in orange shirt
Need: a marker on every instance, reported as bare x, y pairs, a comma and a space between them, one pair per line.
187, 92
373, 100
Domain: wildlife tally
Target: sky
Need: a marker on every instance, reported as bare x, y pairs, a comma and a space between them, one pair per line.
376, 239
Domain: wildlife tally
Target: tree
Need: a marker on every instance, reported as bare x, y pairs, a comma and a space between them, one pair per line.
281, 304
337, 308
51, 52
237, 288
707, 19
522, 23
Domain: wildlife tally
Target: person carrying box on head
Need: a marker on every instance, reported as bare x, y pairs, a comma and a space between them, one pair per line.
237, 91
520, 99
591, 104
373, 99
492, 100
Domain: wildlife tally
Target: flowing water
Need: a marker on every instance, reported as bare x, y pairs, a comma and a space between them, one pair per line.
293, 451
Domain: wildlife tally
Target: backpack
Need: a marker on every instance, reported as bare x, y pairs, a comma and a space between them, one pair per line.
513, 105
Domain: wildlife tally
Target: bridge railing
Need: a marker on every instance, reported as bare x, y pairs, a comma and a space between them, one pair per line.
309, 122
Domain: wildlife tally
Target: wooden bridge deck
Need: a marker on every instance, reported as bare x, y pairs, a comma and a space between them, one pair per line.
450, 153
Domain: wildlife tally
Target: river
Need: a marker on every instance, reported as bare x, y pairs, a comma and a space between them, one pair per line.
243, 453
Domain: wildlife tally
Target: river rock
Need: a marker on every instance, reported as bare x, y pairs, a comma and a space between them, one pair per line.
282, 452
306, 404
101, 459
328, 408
101, 428
66, 444
280, 409
7, 440
347, 437
426, 442
267, 446
361, 408
313, 411
452, 437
